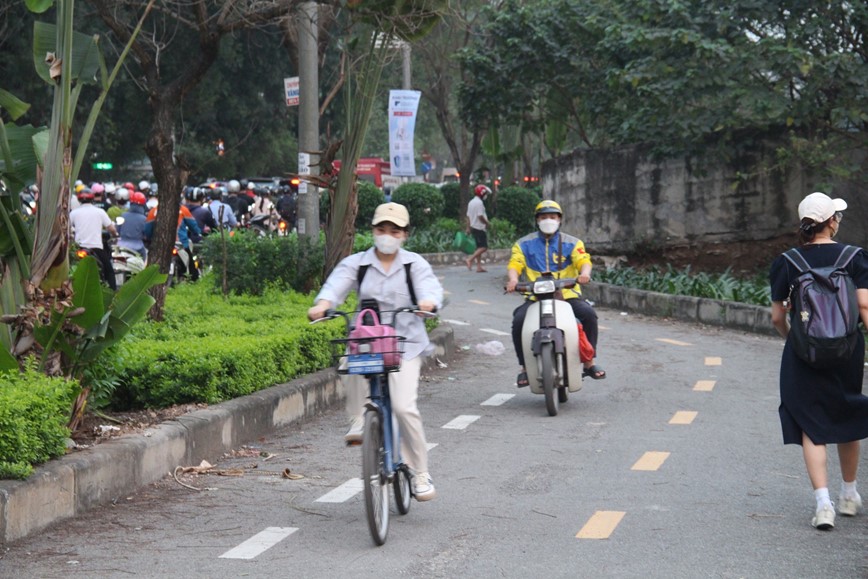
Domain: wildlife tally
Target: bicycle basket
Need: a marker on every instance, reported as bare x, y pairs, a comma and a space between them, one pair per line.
370, 348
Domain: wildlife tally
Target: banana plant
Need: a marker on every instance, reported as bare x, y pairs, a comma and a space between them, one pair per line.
94, 320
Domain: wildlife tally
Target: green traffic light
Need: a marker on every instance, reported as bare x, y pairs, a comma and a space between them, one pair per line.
102, 166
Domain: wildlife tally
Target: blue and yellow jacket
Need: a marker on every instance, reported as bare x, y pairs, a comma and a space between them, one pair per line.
563, 255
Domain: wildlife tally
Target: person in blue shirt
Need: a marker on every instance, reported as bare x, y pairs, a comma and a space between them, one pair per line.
132, 230
222, 212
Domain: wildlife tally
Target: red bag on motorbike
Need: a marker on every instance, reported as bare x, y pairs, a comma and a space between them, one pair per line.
586, 350
380, 338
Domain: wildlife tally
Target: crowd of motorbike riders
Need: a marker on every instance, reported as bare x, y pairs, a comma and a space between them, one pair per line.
115, 221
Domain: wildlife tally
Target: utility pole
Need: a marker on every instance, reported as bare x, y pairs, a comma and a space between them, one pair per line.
408, 79
308, 118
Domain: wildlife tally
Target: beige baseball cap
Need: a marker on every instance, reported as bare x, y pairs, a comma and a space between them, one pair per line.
820, 207
393, 213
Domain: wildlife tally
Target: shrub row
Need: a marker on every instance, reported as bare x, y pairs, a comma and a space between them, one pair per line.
210, 350
34, 410
255, 262
668, 280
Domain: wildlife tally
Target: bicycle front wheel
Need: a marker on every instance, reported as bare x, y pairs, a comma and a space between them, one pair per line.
401, 482
374, 479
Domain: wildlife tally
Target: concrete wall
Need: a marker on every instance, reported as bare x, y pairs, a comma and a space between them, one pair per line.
619, 200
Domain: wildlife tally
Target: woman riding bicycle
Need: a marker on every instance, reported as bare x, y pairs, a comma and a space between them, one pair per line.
382, 274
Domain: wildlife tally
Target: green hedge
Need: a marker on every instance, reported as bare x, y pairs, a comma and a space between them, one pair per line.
34, 410
210, 350
452, 200
423, 201
256, 262
516, 205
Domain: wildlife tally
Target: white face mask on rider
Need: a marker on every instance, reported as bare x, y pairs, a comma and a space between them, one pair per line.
387, 244
548, 226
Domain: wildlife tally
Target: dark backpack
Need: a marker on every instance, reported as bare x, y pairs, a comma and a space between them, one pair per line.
823, 311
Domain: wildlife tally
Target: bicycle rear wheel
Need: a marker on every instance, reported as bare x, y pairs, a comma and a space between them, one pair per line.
375, 485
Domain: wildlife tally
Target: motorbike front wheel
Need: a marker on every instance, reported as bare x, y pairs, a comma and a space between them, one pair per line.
375, 484
547, 359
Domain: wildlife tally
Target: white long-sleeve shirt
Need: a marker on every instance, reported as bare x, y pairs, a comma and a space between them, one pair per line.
390, 289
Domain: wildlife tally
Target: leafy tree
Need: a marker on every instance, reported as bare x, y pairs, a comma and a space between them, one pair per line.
193, 32
438, 75
685, 77
373, 28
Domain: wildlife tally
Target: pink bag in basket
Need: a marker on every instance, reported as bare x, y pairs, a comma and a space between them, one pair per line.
381, 338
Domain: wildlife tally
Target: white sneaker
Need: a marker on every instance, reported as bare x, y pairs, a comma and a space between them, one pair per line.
849, 506
824, 519
354, 434
423, 487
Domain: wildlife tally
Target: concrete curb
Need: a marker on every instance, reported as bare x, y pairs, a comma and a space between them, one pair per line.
72, 484
735, 315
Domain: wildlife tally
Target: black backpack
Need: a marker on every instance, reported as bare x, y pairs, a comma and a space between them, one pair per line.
824, 314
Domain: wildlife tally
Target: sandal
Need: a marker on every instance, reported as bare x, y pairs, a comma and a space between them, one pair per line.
594, 372
521, 381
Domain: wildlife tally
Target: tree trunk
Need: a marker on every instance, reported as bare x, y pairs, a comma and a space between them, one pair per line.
161, 151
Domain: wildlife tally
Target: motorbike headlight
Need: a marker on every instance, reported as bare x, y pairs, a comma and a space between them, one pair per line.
544, 286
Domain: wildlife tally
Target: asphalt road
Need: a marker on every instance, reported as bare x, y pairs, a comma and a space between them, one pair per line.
671, 467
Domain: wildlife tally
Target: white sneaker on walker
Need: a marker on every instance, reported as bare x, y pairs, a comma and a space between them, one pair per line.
354, 434
423, 487
824, 519
849, 506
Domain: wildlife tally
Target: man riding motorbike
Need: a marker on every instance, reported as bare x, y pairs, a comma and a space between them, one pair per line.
564, 256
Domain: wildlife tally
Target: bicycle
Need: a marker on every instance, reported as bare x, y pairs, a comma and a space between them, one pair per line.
375, 357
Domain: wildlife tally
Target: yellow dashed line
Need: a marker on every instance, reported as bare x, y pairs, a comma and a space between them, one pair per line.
480, 302
683, 417
673, 342
713, 361
651, 460
601, 525
704, 385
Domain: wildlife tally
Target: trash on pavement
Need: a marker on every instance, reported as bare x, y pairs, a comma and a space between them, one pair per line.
492, 348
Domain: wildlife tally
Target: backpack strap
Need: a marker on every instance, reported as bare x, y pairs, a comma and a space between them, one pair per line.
797, 259
363, 269
847, 255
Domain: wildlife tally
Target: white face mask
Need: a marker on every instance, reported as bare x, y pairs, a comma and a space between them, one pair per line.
387, 244
548, 226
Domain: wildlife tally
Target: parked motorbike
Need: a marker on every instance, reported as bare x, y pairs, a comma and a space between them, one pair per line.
550, 342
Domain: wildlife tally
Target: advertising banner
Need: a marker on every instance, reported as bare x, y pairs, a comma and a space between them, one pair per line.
290, 91
403, 105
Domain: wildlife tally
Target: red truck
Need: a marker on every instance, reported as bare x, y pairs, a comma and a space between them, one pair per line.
376, 170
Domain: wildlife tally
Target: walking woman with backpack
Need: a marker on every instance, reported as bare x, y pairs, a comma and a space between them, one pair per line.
822, 401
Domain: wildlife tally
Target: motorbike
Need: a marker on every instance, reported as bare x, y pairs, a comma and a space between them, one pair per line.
183, 265
126, 263
261, 224
550, 342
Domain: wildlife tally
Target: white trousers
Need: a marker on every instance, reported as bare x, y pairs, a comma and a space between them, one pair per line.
403, 390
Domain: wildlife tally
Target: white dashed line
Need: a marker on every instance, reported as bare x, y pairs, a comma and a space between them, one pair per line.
431, 445
461, 422
495, 332
259, 543
497, 399
343, 493
457, 322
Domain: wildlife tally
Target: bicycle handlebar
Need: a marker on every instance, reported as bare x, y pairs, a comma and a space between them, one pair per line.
331, 314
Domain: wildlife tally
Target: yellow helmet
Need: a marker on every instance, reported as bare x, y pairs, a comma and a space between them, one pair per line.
79, 188
548, 206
